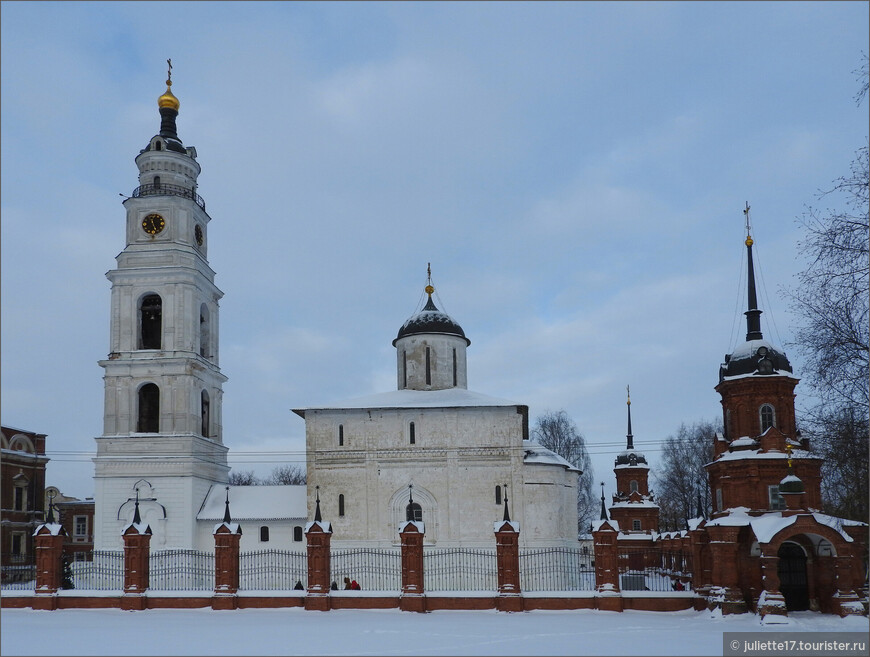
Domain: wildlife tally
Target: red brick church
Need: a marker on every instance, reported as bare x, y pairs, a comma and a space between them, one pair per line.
767, 547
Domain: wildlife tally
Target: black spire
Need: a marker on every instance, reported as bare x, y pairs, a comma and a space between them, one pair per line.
629, 438
317, 517
50, 519
753, 314
603, 508
507, 515
137, 519
227, 517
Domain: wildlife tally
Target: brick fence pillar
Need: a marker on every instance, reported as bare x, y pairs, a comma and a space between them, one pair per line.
724, 590
411, 534
607, 566
227, 536
771, 602
318, 534
137, 551
507, 550
699, 548
48, 538
847, 600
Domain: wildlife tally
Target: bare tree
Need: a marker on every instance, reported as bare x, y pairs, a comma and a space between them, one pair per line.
831, 303
681, 480
558, 433
243, 478
286, 475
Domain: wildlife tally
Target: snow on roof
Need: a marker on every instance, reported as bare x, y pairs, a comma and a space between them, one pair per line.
535, 453
54, 528
744, 441
498, 524
789, 478
325, 525
140, 527
622, 536
416, 523
449, 398
232, 526
637, 466
766, 526
634, 505
796, 454
256, 503
599, 524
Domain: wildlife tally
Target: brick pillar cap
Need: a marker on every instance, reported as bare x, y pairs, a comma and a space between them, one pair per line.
140, 528
605, 526
50, 529
506, 526
319, 527
227, 528
412, 527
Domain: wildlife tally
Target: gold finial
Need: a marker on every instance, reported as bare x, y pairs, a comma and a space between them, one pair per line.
628, 395
168, 99
429, 289
788, 450
746, 214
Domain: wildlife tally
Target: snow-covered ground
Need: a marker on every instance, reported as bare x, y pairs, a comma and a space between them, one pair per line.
294, 631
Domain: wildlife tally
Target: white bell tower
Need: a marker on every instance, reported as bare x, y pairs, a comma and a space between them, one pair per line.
162, 431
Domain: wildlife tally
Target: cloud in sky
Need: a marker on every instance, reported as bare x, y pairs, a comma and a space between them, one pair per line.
575, 173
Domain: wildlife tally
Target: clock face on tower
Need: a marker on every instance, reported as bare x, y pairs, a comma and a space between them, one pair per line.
153, 224
197, 233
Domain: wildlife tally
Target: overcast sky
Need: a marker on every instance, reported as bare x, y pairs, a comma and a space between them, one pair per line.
575, 173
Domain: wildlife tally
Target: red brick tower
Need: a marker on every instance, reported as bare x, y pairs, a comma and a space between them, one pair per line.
633, 506
756, 384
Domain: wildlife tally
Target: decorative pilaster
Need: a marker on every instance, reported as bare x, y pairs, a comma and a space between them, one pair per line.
49, 539
846, 598
771, 604
411, 534
137, 550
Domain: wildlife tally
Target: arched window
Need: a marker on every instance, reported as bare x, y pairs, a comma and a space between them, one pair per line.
149, 409
297, 534
264, 534
204, 412
156, 181
340, 435
428, 368
204, 332
414, 512
341, 505
498, 494
412, 433
768, 418
632, 486
150, 322
158, 145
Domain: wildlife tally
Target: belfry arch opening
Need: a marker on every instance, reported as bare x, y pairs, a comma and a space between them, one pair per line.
204, 332
149, 409
151, 322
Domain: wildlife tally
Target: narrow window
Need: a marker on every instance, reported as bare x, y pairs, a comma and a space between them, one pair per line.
80, 527
767, 417
428, 368
158, 146
151, 322
297, 534
412, 433
18, 503
149, 409
776, 501
718, 499
414, 512
635, 525
340, 435
404, 369
264, 534
17, 546
156, 182
204, 332
454, 369
498, 494
632, 486
341, 505
204, 413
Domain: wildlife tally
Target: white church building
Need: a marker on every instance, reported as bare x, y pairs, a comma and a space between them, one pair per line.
431, 450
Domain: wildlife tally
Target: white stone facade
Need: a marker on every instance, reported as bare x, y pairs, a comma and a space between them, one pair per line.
162, 426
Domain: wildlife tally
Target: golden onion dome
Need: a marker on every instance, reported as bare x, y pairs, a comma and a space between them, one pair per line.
168, 99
